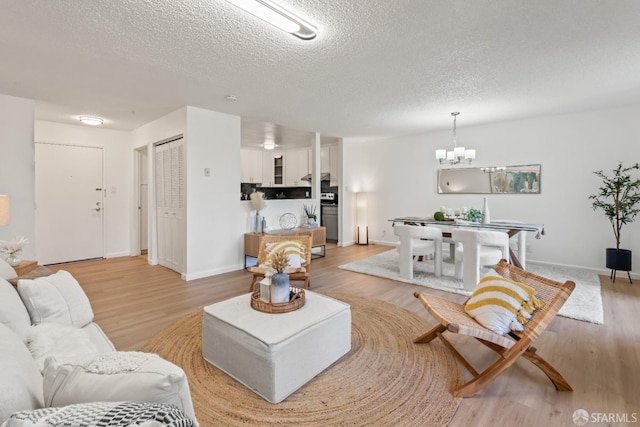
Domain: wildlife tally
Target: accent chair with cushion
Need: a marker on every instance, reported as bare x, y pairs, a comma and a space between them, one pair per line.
527, 305
296, 246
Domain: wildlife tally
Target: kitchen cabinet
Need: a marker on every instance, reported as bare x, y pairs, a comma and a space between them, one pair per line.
297, 166
329, 162
285, 168
250, 166
273, 167
325, 159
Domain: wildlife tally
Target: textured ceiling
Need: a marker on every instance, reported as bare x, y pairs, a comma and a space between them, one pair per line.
377, 68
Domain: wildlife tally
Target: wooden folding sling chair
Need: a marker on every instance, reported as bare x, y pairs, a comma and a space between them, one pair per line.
453, 318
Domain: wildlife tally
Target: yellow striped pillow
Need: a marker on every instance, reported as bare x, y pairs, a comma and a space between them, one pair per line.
501, 304
295, 249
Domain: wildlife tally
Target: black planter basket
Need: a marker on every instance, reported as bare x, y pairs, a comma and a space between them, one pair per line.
619, 260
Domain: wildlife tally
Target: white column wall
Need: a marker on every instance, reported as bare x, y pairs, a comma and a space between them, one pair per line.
17, 173
214, 222
400, 174
118, 174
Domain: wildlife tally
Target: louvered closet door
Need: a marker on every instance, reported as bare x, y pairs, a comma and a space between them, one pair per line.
169, 163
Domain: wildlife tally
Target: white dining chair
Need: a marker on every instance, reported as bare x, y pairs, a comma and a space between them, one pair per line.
418, 241
521, 241
475, 249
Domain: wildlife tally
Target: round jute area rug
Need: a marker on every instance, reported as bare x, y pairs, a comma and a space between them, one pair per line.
385, 380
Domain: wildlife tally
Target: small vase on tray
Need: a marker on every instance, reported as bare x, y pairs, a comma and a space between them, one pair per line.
14, 260
280, 287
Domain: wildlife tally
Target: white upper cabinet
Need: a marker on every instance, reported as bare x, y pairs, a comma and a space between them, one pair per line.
285, 168
273, 167
297, 166
329, 162
250, 166
325, 159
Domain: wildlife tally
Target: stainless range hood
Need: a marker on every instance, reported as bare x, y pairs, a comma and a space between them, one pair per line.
323, 177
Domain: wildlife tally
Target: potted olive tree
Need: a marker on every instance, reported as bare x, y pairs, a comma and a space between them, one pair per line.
619, 199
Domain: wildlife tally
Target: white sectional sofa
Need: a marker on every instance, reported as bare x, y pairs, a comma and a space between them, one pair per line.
57, 365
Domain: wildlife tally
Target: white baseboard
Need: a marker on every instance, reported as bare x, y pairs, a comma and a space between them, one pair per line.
117, 254
384, 243
598, 271
213, 272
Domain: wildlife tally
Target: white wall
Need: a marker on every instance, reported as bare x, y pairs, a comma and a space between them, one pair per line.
354, 177
118, 175
173, 124
400, 174
214, 226
17, 173
216, 217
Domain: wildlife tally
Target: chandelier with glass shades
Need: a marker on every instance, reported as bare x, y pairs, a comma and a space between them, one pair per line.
458, 153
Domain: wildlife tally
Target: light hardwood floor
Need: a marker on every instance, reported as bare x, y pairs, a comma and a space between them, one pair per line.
133, 301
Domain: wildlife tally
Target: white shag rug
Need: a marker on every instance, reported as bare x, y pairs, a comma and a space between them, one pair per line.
585, 303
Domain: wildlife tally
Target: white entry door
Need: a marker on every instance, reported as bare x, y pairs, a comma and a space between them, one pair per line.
69, 203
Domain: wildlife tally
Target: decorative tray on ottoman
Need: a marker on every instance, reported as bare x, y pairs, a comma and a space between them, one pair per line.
295, 302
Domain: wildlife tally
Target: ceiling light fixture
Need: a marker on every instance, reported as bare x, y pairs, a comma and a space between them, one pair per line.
278, 17
269, 145
459, 153
93, 121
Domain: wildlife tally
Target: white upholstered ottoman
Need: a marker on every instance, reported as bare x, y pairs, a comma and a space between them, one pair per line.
275, 354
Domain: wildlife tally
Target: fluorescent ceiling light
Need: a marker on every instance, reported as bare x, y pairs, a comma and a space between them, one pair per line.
278, 17
93, 121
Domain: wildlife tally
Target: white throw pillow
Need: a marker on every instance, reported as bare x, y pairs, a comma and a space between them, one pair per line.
20, 379
117, 376
56, 298
502, 305
63, 342
6, 271
12, 310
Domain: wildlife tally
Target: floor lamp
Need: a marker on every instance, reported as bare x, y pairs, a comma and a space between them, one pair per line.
362, 229
5, 211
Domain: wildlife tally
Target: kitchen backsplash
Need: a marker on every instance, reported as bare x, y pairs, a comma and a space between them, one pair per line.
282, 192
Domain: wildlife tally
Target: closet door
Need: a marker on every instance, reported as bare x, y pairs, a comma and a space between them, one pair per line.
169, 163
177, 221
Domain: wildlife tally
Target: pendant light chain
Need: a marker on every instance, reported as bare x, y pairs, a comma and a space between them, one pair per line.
455, 116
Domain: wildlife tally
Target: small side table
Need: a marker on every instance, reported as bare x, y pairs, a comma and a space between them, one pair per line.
25, 267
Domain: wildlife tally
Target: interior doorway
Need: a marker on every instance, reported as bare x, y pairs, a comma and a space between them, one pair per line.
69, 193
143, 199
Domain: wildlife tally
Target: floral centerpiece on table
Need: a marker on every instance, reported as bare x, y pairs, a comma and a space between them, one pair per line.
258, 203
13, 249
474, 215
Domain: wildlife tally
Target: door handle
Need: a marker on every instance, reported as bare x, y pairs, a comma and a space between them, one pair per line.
98, 208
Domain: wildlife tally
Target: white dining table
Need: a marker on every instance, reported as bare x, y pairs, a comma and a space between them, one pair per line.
511, 228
